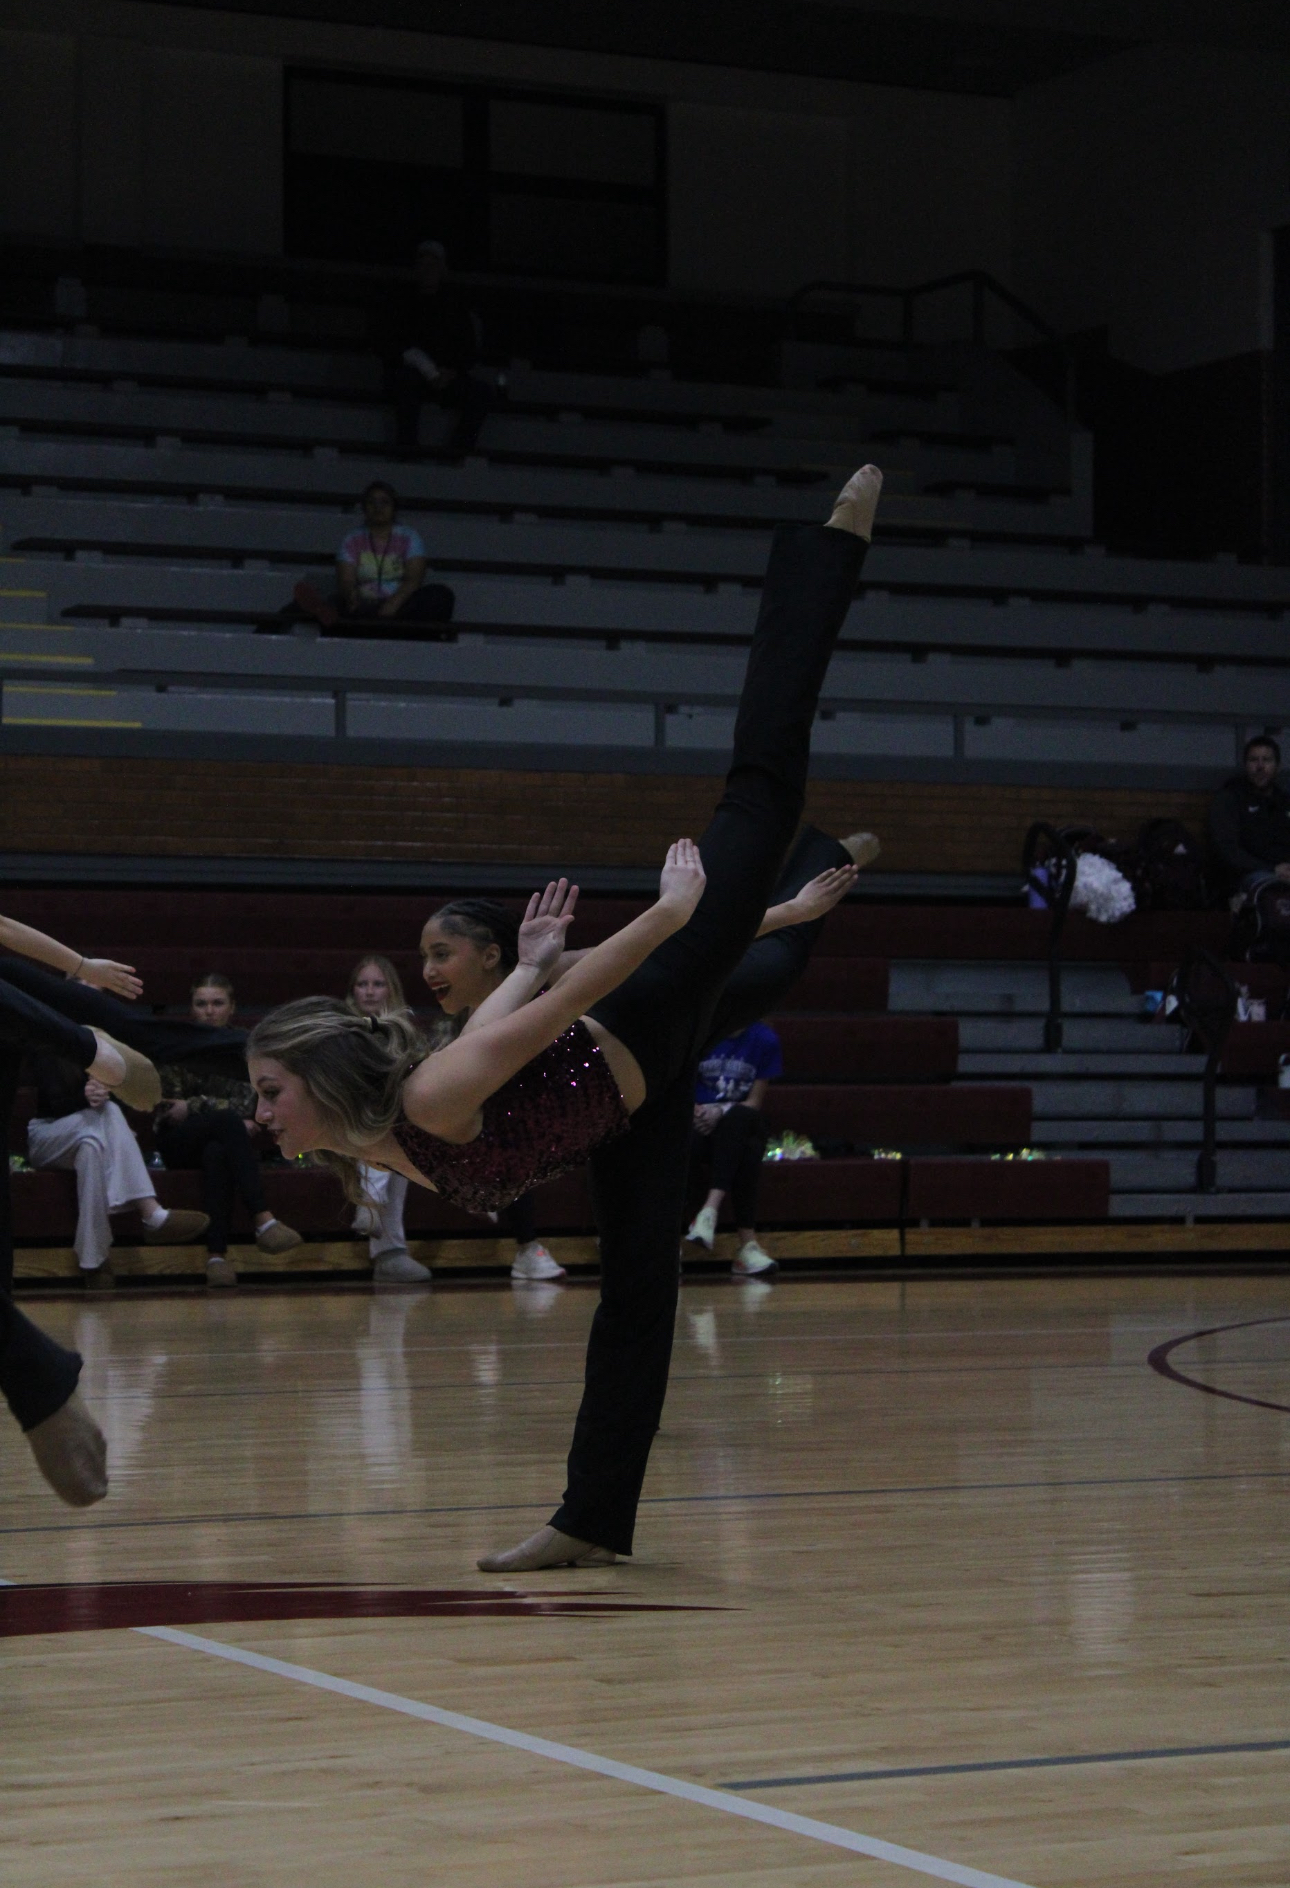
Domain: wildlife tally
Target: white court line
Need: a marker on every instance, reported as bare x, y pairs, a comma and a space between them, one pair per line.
725, 1800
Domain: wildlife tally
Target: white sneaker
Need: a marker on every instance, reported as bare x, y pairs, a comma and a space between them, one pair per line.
398, 1267
534, 1262
703, 1227
752, 1259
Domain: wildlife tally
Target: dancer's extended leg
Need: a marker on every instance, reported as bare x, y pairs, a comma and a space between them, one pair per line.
160, 1038
664, 1013
664, 1010
771, 965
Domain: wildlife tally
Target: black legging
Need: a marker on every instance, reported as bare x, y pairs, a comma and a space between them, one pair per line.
40, 1010
732, 1152
216, 1140
666, 1013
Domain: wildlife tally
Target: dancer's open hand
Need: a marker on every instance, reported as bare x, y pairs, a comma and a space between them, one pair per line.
822, 893
103, 974
549, 915
683, 878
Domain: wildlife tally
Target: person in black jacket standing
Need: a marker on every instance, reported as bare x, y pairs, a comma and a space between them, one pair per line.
433, 343
1249, 819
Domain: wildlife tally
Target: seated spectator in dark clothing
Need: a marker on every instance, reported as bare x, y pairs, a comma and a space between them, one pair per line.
207, 1121
1249, 819
78, 1126
730, 1135
380, 579
432, 343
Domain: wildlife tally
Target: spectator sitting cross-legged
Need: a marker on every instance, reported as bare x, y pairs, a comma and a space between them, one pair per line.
432, 344
380, 579
80, 1127
206, 1121
375, 989
1249, 819
730, 1136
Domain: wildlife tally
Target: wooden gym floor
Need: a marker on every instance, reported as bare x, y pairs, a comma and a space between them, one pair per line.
936, 1581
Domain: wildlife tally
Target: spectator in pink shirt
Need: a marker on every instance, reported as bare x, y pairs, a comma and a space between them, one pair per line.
380, 579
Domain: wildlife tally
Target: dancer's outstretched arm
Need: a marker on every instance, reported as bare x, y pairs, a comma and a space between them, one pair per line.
815, 900
444, 1093
99, 971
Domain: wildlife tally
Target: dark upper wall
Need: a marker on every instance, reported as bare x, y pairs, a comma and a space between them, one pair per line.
1129, 190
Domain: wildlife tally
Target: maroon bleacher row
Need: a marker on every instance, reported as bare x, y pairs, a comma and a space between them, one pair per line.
855, 1077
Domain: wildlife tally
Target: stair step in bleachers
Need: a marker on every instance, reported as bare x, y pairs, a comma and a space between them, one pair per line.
1238, 1131
1040, 1065
1239, 1170
903, 1116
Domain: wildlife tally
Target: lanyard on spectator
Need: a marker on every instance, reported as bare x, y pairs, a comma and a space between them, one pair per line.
380, 558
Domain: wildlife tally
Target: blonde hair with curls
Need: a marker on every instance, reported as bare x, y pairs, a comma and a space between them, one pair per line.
353, 1066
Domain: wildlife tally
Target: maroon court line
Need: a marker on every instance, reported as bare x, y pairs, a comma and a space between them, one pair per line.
1159, 1361
115, 1606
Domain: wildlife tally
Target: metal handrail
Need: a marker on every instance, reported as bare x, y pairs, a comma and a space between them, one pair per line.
982, 284
1055, 890
1211, 1025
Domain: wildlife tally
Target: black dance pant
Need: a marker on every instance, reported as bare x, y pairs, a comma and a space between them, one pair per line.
519, 1220
41, 1010
668, 1010
216, 1141
467, 395
732, 1151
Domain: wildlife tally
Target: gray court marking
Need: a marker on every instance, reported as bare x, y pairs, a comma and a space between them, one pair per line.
1008, 1763
655, 1780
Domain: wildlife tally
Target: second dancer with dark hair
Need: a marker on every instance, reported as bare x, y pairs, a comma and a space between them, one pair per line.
602, 1062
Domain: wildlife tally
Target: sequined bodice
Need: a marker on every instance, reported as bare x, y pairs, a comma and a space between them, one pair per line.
542, 1122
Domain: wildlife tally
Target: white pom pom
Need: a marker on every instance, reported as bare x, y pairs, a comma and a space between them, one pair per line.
1102, 892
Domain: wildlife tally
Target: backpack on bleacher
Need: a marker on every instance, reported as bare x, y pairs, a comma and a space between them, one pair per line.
1261, 933
1171, 868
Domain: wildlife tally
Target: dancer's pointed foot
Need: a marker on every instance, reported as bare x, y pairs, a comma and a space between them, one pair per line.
71, 1454
863, 847
857, 502
547, 1548
129, 1075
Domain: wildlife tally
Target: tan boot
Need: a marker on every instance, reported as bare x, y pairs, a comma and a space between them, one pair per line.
177, 1228
276, 1237
220, 1275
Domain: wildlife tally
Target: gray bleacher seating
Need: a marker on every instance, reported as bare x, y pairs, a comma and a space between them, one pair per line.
604, 545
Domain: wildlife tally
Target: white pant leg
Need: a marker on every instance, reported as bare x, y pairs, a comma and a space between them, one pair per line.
127, 1173
389, 1235
97, 1145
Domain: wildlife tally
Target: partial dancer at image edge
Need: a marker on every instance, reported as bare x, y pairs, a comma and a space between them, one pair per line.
38, 1377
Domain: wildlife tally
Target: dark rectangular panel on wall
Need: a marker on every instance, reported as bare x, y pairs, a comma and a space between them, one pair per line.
1276, 437
511, 182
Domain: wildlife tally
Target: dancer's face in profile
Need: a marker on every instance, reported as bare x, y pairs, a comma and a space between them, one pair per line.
371, 992
286, 1108
458, 972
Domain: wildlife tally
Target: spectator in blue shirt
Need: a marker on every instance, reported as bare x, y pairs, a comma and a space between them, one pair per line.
730, 1134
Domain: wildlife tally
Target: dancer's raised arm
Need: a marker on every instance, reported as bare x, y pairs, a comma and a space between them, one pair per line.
24, 941
444, 1092
540, 946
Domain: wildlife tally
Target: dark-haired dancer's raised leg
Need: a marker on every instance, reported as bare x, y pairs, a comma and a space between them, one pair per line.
665, 1013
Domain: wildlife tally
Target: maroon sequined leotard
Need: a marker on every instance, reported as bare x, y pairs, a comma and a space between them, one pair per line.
543, 1121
